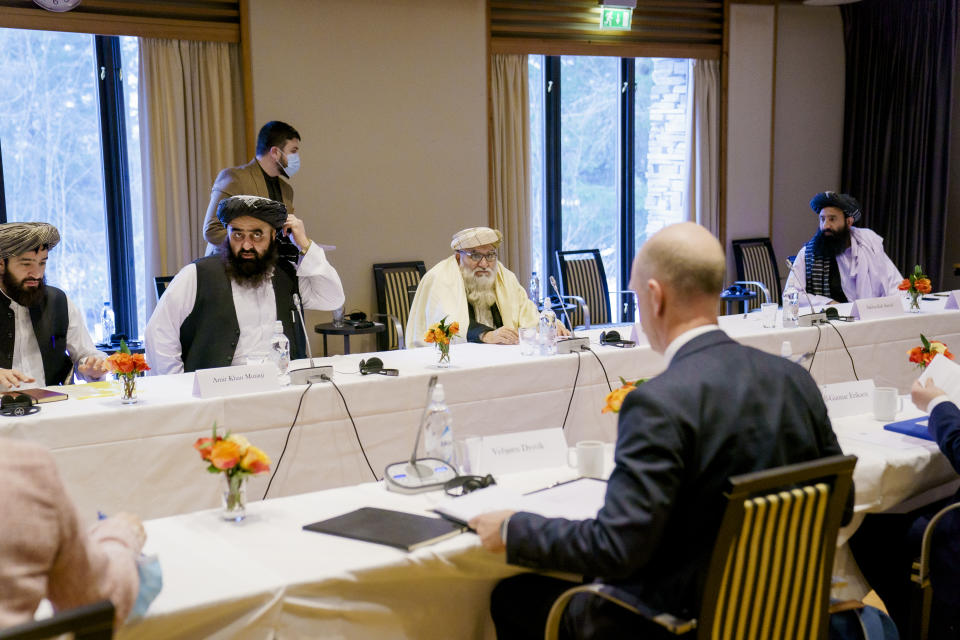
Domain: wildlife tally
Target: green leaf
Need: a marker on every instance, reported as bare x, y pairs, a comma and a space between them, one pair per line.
926, 343
212, 469
123, 347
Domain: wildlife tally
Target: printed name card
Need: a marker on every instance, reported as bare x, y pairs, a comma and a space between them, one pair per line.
872, 308
522, 451
848, 398
953, 302
232, 381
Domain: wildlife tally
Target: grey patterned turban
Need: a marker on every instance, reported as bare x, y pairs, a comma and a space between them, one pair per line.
270, 211
17, 238
475, 237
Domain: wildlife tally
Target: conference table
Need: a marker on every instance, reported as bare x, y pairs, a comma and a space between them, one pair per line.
265, 577
140, 457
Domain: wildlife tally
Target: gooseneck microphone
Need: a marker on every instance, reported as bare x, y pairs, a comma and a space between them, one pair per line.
813, 317
571, 343
313, 373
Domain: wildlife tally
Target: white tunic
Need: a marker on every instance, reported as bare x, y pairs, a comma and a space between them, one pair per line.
256, 308
26, 351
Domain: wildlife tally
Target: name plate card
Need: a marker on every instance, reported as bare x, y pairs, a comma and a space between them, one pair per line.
232, 381
521, 451
872, 308
848, 398
953, 302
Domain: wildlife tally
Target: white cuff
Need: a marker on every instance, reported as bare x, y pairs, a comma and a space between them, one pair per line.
933, 403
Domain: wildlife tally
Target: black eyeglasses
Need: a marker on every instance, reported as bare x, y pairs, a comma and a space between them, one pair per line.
476, 256
462, 485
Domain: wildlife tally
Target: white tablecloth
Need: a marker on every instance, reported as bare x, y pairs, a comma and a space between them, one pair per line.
140, 457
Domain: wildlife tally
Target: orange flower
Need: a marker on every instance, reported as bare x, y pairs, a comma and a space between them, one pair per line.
905, 285
923, 285
225, 455
454, 329
615, 398
205, 446
140, 363
255, 461
121, 362
440, 336
428, 336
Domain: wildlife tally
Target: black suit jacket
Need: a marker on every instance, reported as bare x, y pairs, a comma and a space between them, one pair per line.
945, 560
720, 409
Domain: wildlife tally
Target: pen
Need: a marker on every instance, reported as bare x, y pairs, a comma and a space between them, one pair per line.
101, 515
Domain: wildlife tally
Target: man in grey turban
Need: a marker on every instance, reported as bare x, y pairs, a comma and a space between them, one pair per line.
42, 335
220, 309
842, 263
473, 288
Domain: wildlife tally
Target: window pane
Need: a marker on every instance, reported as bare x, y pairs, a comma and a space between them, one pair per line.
52, 168
660, 144
130, 58
538, 264
589, 108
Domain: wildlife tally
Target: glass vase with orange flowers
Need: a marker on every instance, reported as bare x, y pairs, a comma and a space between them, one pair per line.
234, 457
127, 367
616, 397
440, 335
922, 355
916, 285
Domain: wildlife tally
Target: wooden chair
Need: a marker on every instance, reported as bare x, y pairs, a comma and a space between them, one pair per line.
584, 280
89, 622
757, 269
161, 283
921, 572
769, 572
392, 280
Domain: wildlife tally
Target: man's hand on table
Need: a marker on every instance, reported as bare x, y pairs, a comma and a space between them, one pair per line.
922, 394
503, 335
562, 330
11, 378
92, 367
488, 526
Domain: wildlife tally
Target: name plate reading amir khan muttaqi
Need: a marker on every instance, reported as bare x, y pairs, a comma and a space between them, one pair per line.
848, 398
518, 451
232, 381
871, 308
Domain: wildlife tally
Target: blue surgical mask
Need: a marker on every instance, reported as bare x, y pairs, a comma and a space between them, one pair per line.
293, 164
151, 582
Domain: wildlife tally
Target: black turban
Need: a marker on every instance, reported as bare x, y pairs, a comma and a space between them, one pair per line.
847, 204
270, 211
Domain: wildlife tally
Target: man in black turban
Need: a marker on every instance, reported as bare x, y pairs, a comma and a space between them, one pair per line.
842, 263
222, 308
42, 335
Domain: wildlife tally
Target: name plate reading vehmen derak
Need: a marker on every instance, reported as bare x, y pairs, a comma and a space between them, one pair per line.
232, 381
848, 398
872, 308
520, 451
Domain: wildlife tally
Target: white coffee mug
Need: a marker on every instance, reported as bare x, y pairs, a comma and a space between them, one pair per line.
886, 403
589, 458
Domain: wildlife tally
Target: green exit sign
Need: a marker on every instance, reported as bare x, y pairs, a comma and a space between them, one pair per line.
615, 18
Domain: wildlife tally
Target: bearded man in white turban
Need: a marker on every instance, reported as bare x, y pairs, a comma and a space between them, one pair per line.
473, 288
42, 335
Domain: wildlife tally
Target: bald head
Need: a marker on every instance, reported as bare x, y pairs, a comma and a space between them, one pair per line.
685, 257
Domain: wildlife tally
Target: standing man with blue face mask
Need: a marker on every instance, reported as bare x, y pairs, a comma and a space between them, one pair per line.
278, 154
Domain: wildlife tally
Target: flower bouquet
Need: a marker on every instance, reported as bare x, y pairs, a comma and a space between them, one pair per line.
922, 355
440, 334
236, 458
916, 285
127, 367
615, 398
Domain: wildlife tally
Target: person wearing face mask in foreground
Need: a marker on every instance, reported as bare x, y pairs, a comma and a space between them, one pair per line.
278, 154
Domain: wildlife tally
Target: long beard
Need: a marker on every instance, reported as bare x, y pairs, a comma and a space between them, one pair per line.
480, 291
249, 272
26, 296
830, 245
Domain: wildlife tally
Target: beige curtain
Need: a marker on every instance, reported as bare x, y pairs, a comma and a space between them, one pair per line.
510, 161
703, 193
191, 127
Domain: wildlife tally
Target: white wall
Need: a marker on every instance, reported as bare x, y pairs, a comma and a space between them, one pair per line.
391, 100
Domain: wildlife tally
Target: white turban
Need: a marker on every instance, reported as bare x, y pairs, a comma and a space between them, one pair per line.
475, 237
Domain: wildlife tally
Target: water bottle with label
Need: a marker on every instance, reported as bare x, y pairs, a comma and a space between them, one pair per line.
107, 323
548, 332
535, 288
791, 306
280, 352
438, 430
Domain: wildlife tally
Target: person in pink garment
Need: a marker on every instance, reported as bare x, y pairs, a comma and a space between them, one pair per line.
45, 551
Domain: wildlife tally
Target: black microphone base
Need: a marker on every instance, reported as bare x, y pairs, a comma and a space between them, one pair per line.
310, 374
426, 474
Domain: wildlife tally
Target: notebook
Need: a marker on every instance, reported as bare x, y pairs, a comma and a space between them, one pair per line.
44, 395
916, 427
407, 531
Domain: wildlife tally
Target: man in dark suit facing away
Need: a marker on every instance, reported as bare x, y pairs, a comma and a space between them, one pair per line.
718, 410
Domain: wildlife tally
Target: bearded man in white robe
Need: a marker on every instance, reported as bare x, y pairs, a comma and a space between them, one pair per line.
473, 288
